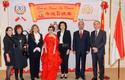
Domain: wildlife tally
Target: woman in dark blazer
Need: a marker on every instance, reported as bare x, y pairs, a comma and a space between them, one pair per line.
35, 42
64, 47
8, 51
20, 60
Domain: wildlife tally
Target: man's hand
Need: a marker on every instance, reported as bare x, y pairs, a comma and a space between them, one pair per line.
95, 50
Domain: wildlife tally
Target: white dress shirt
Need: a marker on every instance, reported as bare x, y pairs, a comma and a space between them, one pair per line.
80, 31
61, 37
97, 32
37, 37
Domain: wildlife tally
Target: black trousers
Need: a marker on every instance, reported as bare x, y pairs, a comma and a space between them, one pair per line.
34, 64
97, 58
16, 73
80, 62
64, 57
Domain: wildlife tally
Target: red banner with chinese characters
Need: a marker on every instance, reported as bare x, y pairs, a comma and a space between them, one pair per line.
54, 11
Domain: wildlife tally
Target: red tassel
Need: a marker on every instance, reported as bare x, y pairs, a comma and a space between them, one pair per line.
17, 19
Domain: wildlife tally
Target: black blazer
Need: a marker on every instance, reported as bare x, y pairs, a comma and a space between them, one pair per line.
66, 38
32, 43
99, 42
8, 49
81, 45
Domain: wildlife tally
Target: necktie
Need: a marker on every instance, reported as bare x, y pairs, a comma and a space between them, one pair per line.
95, 38
81, 34
96, 34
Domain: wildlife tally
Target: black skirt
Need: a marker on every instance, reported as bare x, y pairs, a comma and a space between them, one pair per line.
11, 63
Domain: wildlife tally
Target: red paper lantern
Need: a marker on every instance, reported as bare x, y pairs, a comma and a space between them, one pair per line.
5, 4
104, 5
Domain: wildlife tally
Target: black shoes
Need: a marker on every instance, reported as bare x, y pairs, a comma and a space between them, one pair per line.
22, 78
77, 78
19, 79
37, 77
83, 78
63, 76
7, 79
94, 78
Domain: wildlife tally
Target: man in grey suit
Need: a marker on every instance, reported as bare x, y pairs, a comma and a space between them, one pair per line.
81, 46
98, 41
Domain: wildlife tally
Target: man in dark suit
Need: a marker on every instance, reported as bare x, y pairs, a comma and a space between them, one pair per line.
98, 41
81, 46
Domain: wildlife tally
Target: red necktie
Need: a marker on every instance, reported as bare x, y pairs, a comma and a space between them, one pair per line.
81, 34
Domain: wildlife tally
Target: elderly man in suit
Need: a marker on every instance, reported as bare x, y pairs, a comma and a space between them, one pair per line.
98, 41
81, 46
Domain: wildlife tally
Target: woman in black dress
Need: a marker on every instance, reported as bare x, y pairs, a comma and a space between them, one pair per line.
35, 41
64, 37
8, 51
20, 45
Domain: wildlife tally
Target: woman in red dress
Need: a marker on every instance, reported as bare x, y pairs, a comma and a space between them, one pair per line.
51, 57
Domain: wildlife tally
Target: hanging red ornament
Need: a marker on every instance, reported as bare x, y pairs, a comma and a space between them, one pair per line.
5, 4
104, 5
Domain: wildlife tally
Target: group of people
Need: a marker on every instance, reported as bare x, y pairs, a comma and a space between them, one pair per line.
56, 50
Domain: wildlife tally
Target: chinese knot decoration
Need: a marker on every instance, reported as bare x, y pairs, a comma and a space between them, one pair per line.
104, 5
5, 4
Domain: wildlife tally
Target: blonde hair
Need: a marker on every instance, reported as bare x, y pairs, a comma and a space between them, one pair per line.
34, 25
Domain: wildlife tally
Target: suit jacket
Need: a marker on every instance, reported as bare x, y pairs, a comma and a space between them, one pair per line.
66, 38
83, 44
32, 43
99, 41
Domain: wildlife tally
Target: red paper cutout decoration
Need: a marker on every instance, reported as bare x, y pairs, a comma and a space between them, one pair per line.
5, 4
104, 5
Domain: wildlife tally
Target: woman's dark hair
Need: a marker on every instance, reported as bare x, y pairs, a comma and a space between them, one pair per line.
18, 27
62, 22
51, 27
8, 29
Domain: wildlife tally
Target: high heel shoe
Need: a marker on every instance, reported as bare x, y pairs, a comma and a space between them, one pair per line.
65, 76
7, 79
62, 75
16, 79
22, 78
